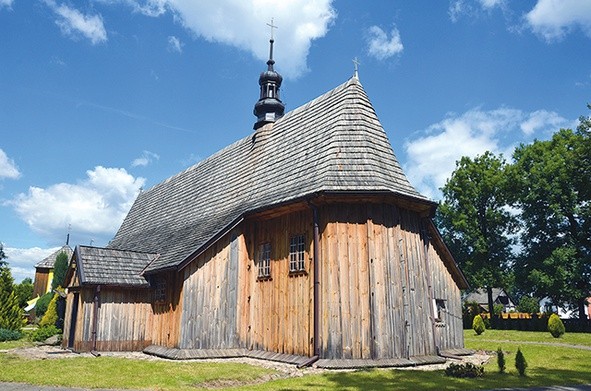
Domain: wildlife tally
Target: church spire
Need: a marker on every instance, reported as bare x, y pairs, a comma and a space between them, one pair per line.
269, 107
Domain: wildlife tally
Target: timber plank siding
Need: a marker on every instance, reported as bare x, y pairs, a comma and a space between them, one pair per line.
389, 311
123, 323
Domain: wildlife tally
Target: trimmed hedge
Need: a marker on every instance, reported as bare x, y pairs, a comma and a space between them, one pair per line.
555, 326
478, 325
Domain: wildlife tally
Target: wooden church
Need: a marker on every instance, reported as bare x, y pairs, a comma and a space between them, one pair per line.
303, 242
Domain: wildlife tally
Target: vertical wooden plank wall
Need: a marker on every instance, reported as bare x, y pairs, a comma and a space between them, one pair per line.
165, 327
125, 316
124, 322
278, 310
451, 335
375, 297
41, 281
210, 296
67, 317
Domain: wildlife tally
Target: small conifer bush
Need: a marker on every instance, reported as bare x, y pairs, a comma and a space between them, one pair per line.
50, 316
555, 326
478, 325
501, 360
9, 335
520, 363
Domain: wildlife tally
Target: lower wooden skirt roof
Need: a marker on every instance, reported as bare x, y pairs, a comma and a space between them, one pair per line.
189, 354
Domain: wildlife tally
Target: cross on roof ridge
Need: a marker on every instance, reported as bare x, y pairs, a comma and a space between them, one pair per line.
272, 27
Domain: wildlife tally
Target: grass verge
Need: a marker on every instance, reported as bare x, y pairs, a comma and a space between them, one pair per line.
548, 365
120, 373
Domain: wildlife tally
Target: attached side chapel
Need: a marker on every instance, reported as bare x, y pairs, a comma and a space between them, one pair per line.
303, 242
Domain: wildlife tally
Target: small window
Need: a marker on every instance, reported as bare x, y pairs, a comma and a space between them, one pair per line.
160, 289
264, 261
439, 309
296, 254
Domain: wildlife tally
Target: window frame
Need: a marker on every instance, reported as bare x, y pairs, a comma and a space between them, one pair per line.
160, 289
297, 254
264, 261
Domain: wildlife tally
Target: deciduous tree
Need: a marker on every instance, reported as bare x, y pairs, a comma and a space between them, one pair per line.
552, 192
476, 222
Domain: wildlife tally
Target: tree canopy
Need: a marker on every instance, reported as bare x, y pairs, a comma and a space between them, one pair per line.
10, 311
529, 219
60, 268
475, 223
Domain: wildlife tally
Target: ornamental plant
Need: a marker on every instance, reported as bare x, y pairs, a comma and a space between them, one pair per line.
501, 360
520, 363
464, 370
478, 325
555, 326
50, 316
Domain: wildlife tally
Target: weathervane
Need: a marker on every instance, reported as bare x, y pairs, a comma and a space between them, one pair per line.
272, 27
356, 63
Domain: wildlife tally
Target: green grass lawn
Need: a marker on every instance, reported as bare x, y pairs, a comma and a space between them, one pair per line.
21, 343
547, 365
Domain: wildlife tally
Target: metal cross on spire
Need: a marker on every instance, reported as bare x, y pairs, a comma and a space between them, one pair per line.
272, 27
356, 63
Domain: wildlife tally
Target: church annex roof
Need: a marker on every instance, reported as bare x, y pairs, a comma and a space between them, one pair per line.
334, 143
103, 266
49, 261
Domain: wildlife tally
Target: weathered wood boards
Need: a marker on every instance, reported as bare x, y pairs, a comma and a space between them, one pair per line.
123, 323
380, 277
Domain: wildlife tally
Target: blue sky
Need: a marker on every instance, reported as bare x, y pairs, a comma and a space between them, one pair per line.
101, 98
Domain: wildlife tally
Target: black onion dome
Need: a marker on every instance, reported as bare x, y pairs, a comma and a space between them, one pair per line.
269, 107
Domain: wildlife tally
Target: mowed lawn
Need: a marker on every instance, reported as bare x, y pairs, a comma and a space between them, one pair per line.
550, 362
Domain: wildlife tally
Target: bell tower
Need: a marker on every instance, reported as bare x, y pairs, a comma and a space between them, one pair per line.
269, 107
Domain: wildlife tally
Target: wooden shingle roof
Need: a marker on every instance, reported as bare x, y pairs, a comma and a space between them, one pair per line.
334, 143
49, 261
104, 266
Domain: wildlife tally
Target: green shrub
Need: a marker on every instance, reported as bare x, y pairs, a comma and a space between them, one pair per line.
464, 370
50, 316
498, 309
42, 333
42, 304
501, 360
555, 326
529, 305
478, 325
520, 363
9, 335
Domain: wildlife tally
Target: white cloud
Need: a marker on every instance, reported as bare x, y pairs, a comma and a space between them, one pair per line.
8, 168
554, 19
149, 7
6, 3
22, 261
242, 24
146, 158
473, 8
489, 4
433, 154
542, 119
381, 46
95, 206
74, 23
175, 44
